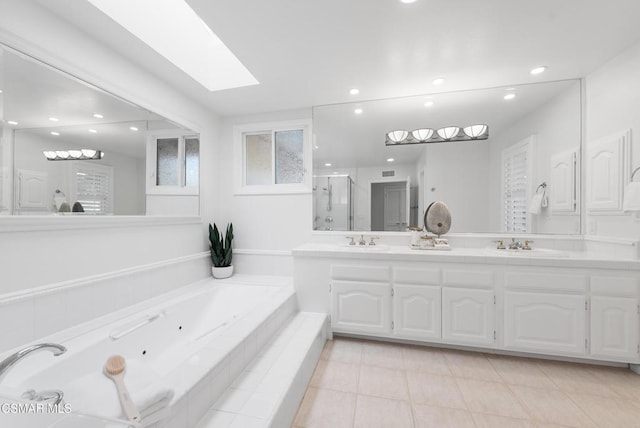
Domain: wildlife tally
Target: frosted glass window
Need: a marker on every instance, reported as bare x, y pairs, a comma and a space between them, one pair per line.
192, 162
167, 162
259, 159
289, 156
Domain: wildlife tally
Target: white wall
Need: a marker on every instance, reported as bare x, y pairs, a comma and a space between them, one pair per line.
556, 127
613, 105
30, 259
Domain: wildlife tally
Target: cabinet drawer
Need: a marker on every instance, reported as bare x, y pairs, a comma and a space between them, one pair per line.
361, 273
614, 286
546, 281
416, 276
468, 278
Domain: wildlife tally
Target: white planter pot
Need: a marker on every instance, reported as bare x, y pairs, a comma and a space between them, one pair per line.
222, 272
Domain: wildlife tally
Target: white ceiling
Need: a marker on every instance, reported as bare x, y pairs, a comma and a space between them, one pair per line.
306, 53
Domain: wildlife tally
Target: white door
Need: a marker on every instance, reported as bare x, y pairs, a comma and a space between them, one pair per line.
395, 208
360, 307
417, 311
614, 328
468, 316
545, 322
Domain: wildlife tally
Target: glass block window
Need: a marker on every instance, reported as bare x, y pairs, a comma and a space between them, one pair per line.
167, 162
259, 159
192, 161
273, 158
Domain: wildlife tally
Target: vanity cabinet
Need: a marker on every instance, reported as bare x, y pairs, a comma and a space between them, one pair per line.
545, 322
468, 316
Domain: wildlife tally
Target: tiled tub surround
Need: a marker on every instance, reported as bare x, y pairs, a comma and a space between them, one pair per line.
578, 305
189, 345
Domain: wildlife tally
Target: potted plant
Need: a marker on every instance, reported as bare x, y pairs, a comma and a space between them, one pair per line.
221, 251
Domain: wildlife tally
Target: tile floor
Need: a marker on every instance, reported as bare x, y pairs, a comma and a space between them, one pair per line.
369, 384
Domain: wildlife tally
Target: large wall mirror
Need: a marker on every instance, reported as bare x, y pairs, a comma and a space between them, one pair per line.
69, 148
523, 178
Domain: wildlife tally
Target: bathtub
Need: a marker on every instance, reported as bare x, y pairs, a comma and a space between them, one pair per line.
180, 338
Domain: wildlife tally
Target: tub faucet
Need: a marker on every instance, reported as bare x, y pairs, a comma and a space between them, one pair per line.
12, 359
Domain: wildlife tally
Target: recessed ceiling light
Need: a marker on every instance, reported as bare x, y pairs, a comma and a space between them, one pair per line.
133, 128
509, 96
181, 36
53, 119
438, 81
316, 147
98, 115
538, 70
390, 160
510, 89
12, 122
358, 111
354, 91
93, 131
327, 164
0, 91
428, 104
336, 172
55, 133
407, 1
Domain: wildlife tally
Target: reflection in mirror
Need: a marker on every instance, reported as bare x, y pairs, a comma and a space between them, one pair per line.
52, 122
490, 185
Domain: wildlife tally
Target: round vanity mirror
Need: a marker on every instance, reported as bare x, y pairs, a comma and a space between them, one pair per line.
437, 218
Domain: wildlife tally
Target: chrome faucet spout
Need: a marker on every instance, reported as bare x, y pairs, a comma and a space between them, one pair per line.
12, 359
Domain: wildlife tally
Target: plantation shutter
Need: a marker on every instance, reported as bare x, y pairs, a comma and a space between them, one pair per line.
94, 189
515, 182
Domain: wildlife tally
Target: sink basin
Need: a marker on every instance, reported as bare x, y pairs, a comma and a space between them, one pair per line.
536, 252
365, 248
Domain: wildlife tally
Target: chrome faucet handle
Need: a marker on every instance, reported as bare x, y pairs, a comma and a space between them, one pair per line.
362, 240
372, 240
353, 242
526, 245
500, 243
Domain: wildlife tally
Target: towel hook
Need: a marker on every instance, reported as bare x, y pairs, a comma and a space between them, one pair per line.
634, 172
544, 185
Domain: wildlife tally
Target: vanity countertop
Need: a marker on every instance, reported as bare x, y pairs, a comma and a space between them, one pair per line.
536, 257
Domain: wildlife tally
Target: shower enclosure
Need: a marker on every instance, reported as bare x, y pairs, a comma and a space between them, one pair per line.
332, 202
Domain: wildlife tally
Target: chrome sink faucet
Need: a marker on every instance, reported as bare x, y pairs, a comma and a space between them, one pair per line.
515, 245
362, 241
12, 359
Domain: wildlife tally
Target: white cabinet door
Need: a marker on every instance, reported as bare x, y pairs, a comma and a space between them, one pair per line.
468, 316
416, 311
360, 307
545, 322
614, 327
32, 191
607, 171
563, 182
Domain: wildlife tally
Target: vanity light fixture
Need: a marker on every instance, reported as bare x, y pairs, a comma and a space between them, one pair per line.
73, 154
438, 81
358, 111
354, 91
12, 122
448, 132
183, 38
538, 70
98, 116
509, 96
422, 134
400, 137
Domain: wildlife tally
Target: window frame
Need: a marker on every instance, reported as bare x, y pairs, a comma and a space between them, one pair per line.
239, 154
152, 161
107, 170
526, 146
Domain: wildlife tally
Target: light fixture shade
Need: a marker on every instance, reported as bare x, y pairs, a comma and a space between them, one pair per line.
50, 154
62, 154
632, 197
422, 134
89, 153
448, 132
397, 136
75, 154
475, 131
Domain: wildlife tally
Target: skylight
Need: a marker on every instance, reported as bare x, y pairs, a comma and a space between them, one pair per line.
176, 32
